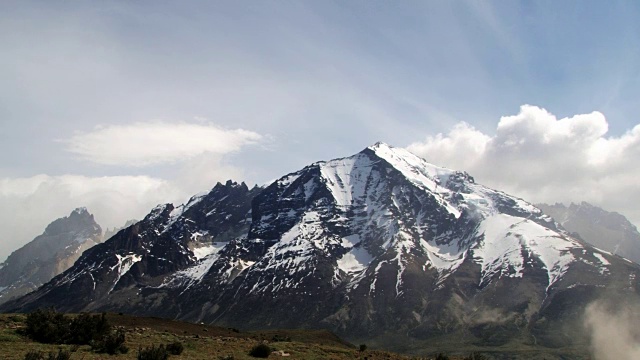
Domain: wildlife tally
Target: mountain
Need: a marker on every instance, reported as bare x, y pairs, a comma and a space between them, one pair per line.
606, 230
49, 254
140, 257
108, 233
380, 247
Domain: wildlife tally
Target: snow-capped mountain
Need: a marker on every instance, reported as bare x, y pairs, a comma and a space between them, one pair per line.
606, 230
380, 246
167, 240
49, 254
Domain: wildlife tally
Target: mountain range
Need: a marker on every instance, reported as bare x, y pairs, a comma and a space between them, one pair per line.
380, 246
606, 230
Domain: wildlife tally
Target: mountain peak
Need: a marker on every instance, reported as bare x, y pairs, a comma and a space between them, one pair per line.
379, 144
404, 158
48, 254
80, 211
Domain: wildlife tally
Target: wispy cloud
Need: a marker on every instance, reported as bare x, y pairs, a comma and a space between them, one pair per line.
612, 330
150, 143
545, 159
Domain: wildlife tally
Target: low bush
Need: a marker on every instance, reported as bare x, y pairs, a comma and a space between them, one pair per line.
111, 343
86, 328
175, 348
153, 353
40, 355
50, 327
260, 351
278, 338
34, 355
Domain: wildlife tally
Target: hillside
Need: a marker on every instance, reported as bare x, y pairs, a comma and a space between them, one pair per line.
201, 342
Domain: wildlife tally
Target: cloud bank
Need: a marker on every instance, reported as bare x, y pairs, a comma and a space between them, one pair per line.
151, 143
542, 158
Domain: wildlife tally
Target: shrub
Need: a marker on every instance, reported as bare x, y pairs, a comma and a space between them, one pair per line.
61, 355
153, 353
175, 348
86, 328
111, 343
260, 351
34, 355
39, 355
16, 318
278, 338
47, 326
363, 347
442, 356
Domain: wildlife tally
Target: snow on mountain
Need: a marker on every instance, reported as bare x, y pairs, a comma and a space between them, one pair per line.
505, 238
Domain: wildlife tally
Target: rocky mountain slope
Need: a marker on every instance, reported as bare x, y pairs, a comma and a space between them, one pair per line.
381, 247
49, 254
606, 230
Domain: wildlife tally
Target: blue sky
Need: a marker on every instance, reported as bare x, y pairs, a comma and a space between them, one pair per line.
81, 82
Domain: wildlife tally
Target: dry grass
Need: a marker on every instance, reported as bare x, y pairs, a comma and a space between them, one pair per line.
200, 342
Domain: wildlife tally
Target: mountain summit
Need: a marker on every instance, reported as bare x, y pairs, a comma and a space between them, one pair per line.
380, 247
49, 254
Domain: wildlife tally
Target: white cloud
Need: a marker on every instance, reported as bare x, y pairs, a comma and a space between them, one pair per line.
30, 203
545, 159
149, 143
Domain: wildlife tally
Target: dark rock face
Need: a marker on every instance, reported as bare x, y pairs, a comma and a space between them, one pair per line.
49, 254
380, 247
606, 230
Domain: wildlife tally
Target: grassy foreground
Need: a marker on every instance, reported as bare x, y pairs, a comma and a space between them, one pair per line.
200, 341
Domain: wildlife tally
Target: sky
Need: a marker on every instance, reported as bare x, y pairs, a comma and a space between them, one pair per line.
121, 105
